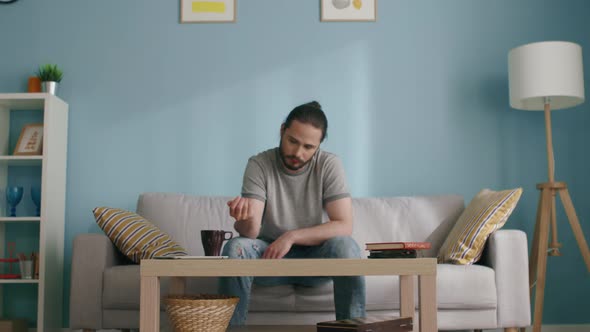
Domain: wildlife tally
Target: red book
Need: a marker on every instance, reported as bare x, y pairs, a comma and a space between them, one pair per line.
397, 245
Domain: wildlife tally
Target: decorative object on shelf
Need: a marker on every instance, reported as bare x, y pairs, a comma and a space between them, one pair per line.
34, 84
544, 76
30, 141
219, 11
10, 260
13, 196
36, 198
50, 76
26, 265
348, 10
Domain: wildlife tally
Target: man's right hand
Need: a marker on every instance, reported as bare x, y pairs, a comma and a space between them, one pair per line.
248, 214
239, 208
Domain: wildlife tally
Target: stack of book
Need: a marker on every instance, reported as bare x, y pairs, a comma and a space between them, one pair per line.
395, 249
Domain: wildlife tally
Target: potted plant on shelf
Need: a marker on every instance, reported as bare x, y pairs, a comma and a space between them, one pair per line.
50, 76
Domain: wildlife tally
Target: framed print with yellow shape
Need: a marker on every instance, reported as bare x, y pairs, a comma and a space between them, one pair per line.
212, 11
348, 10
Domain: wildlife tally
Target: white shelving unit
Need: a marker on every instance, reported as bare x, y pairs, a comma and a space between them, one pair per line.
53, 187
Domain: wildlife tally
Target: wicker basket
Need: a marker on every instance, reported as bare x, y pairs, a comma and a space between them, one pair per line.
200, 312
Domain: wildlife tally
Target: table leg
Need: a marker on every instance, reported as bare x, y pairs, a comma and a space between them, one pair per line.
427, 294
149, 306
406, 296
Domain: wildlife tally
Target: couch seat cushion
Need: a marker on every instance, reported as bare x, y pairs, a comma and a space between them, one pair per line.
466, 287
274, 298
458, 287
122, 288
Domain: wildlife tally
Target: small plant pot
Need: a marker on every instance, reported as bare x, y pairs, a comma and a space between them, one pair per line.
49, 87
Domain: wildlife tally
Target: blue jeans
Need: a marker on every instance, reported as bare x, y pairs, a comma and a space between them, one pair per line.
349, 292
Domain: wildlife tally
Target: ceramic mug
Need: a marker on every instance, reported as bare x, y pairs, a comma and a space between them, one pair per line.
213, 240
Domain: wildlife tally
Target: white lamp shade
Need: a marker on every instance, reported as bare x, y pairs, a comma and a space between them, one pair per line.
546, 69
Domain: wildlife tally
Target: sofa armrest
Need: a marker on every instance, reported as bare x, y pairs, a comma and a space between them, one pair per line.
91, 255
507, 254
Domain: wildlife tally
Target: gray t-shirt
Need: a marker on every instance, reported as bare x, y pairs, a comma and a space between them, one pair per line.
293, 201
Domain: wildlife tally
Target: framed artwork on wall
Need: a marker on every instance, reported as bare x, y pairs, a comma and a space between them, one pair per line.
212, 11
348, 10
30, 141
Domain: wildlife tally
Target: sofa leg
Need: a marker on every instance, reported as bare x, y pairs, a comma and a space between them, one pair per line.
511, 329
477, 330
88, 330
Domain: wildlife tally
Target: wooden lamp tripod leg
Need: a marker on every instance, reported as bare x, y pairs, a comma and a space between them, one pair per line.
535, 248
575, 224
541, 255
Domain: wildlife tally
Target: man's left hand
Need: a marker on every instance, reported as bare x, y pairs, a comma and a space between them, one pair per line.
279, 248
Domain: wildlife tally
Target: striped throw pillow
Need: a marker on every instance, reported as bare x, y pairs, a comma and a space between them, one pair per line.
488, 211
134, 236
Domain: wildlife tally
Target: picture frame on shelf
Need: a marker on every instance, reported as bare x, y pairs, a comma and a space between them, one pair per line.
30, 141
348, 10
212, 11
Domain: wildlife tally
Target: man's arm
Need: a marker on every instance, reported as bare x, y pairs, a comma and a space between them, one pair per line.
340, 224
248, 215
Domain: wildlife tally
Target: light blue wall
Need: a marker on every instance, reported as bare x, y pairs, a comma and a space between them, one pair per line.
417, 102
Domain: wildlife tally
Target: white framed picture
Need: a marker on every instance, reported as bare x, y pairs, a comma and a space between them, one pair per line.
348, 10
30, 141
213, 11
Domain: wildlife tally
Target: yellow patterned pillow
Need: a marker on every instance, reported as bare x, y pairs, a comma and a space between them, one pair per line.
134, 236
488, 211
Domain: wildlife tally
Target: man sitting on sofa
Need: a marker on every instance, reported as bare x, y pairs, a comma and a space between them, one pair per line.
279, 213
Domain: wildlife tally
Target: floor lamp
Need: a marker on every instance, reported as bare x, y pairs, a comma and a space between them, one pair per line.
547, 76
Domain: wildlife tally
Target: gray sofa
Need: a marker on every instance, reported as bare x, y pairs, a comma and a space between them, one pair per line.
489, 295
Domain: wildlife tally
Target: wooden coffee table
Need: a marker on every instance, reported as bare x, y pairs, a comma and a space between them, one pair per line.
406, 268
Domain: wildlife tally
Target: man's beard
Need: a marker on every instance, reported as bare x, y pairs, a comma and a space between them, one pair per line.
284, 159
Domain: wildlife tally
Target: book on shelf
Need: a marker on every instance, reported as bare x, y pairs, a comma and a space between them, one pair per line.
397, 245
367, 324
398, 253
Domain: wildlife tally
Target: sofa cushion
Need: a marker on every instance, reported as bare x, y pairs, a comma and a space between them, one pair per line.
487, 212
134, 236
417, 218
469, 287
122, 287
273, 298
190, 215
458, 287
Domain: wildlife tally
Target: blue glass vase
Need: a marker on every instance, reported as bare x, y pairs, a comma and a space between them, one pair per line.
36, 197
13, 196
